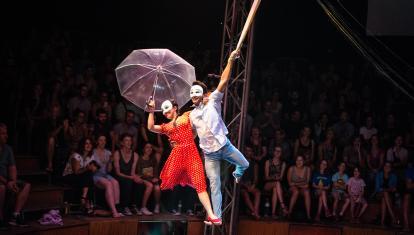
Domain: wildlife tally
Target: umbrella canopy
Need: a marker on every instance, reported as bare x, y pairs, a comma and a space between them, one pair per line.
156, 73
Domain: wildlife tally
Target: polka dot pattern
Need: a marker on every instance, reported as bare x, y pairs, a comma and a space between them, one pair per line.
184, 165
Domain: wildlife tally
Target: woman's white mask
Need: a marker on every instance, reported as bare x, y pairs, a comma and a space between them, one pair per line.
196, 90
166, 106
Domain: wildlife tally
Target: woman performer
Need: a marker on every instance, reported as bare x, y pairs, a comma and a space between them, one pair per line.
184, 165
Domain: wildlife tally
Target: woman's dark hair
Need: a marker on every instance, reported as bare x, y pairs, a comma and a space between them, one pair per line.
200, 83
81, 147
124, 135
93, 162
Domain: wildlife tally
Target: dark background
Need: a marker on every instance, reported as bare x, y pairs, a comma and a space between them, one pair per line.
284, 28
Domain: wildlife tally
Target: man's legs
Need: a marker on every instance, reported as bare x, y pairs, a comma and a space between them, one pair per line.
234, 156
212, 165
22, 197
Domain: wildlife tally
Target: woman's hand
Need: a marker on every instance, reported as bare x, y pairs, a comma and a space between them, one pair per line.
151, 105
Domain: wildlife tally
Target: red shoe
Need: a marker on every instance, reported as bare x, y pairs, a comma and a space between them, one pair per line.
215, 222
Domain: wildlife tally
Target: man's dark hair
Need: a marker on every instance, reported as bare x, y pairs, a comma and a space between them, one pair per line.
2, 125
101, 110
200, 83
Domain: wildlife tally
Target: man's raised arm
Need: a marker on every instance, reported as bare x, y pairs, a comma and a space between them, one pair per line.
225, 76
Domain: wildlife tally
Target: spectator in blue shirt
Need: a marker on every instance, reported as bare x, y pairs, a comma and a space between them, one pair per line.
409, 190
339, 181
321, 182
385, 186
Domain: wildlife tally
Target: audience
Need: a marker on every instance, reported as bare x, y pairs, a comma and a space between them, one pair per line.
356, 189
339, 192
385, 187
76, 172
320, 112
321, 183
298, 177
148, 170
9, 182
249, 184
274, 172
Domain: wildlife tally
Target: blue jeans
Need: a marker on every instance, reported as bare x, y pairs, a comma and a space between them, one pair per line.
212, 164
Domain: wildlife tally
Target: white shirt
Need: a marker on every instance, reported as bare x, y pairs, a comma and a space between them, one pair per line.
367, 133
207, 121
82, 163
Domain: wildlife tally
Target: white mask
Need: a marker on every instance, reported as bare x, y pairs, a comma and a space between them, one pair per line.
166, 106
196, 90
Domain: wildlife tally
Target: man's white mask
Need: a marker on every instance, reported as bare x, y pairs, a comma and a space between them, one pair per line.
196, 90
166, 106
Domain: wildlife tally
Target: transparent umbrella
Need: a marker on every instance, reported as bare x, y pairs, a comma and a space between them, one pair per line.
156, 73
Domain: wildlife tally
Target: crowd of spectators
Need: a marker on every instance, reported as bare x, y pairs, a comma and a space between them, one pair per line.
334, 134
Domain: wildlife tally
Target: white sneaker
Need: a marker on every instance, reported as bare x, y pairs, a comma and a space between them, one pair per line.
157, 209
190, 212
145, 211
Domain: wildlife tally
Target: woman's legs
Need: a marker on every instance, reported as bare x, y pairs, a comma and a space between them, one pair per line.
205, 200
325, 204
271, 186
318, 213
344, 207
335, 203
406, 209
115, 188
383, 209
387, 200
293, 199
107, 185
256, 194
364, 207
306, 195
147, 193
157, 197
279, 191
247, 200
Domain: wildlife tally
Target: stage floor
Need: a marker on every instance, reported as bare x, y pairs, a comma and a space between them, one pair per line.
191, 225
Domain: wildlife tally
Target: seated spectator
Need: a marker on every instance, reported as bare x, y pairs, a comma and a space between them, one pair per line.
354, 155
304, 145
258, 145
368, 130
102, 179
76, 173
103, 126
78, 130
398, 155
408, 192
10, 183
320, 128
375, 159
274, 172
385, 186
327, 150
58, 134
356, 189
321, 183
344, 130
249, 183
102, 103
339, 182
80, 102
148, 170
127, 126
298, 178
409, 137
293, 125
279, 140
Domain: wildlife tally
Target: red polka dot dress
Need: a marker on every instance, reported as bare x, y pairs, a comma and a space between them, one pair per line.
184, 165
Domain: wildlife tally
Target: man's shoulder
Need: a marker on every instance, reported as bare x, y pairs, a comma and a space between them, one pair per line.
7, 149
